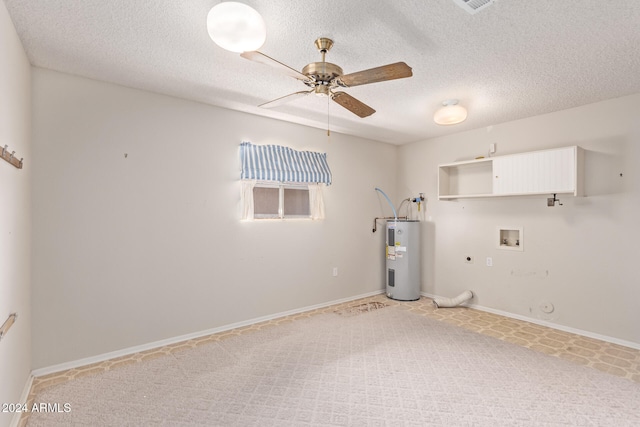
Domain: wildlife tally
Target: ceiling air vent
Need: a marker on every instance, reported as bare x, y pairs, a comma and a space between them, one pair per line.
473, 6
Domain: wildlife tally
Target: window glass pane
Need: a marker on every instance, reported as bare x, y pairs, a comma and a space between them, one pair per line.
296, 202
265, 202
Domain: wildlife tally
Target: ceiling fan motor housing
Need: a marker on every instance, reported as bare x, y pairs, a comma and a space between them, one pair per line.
321, 73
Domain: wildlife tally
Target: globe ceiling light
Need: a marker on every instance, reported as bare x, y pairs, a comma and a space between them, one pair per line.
236, 27
450, 113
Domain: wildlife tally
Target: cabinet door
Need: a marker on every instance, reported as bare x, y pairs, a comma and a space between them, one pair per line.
550, 171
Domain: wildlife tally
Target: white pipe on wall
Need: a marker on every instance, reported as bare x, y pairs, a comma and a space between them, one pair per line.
452, 302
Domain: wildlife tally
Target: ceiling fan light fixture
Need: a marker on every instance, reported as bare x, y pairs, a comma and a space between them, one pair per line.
236, 27
450, 113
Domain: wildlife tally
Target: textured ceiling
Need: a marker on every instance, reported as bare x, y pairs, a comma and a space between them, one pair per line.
514, 59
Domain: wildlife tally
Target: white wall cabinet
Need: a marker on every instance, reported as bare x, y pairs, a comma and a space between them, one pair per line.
539, 172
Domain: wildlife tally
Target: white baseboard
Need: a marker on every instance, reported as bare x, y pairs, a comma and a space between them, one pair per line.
157, 344
551, 325
15, 421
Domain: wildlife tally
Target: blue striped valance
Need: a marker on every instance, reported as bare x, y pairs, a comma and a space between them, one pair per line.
277, 163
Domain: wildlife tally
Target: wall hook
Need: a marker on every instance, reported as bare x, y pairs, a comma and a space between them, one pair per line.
11, 157
7, 324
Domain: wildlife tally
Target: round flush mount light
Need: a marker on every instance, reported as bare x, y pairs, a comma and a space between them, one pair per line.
450, 113
236, 27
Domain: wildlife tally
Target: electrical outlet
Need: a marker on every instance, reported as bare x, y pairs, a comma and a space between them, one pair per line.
489, 262
468, 260
335, 271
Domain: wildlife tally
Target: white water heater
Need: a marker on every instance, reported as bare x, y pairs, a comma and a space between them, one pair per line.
403, 260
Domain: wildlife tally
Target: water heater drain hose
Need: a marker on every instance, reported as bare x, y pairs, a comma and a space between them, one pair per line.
452, 302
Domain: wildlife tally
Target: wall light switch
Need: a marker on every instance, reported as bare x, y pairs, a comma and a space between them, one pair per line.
335, 271
492, 148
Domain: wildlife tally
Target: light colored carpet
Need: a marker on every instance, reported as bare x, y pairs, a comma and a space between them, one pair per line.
382, 367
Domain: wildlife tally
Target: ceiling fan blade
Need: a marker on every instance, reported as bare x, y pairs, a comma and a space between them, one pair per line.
399, 70
285, 99
350, 103
264, 59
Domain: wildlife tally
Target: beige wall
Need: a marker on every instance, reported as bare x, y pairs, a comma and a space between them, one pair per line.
580, 257
136, 249
131, 250
15, 227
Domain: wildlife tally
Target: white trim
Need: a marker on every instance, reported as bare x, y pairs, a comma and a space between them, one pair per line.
158, 344
15, 421
551, 325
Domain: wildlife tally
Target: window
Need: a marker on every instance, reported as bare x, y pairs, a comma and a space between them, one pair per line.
296, 202
279, 182
266, 202
277, 200
272, 200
